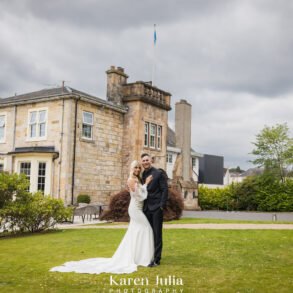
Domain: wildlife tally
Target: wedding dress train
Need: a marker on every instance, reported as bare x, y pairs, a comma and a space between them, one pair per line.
136, 247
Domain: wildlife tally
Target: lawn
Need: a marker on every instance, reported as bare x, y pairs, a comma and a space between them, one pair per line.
205, 260
207, 221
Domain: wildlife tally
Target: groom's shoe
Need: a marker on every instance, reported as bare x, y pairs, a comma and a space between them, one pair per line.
154, 264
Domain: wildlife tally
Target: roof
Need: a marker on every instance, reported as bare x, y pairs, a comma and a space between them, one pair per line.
35, 149
171, 142
48, 94
171, 138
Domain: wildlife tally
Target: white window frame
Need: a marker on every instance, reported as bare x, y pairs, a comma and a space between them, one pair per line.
38, 123
30, 176
3, 140
169, 158
38, 166
35, 160
193, 160
89, 124
154, 136
159, 137
146, 134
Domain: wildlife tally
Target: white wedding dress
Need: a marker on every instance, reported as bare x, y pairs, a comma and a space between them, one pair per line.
136, 248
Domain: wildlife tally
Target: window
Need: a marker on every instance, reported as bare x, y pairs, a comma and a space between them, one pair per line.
185, 193
193, 162
169, 158
42, 176
38, 170
146, 134
25, 168
194, 194
37, 123
2, 128
1, 167
159, 137
152, 135
87, 125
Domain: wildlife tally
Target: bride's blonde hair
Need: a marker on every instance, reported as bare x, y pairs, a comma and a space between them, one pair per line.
132, 166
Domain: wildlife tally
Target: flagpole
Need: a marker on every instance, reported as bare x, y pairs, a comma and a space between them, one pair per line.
154, 56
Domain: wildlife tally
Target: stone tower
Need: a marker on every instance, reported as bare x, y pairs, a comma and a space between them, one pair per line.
183, 136
145, 125
183, 172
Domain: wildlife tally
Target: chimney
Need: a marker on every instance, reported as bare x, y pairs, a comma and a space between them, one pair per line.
115, 79
183, 135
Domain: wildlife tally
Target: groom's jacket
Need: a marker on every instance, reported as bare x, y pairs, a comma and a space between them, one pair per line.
157, 190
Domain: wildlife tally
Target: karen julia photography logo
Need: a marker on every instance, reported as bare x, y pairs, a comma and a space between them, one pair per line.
161, 284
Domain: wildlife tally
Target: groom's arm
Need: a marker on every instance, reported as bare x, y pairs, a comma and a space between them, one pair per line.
164, 189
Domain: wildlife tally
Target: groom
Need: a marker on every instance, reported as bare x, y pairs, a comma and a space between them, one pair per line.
154, 203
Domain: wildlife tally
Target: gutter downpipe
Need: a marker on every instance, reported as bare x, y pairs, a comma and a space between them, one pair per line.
74, 150
61, 148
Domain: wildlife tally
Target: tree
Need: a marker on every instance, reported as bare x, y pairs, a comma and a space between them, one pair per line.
236, 170
274, 150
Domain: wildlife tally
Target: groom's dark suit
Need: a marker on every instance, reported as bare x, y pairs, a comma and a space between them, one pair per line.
154, 204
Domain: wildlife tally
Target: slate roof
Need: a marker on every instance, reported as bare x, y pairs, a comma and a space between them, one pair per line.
48, 94
171, 138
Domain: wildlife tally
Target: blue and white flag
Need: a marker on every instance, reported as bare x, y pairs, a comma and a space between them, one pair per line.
155, 35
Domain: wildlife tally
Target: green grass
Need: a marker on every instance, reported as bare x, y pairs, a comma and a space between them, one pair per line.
208, 221
207, 261
220, 221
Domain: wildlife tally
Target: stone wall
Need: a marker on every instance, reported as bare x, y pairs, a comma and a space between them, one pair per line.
99, 161
133, 137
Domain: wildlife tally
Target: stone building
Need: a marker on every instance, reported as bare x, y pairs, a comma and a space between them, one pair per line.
68, 142
182, 160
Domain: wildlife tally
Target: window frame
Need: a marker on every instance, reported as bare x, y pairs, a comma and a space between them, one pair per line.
30, 173
193, 160
41, 176
87, 124
159, 137
169, 159
153, 126
38, 124
4, 114
146, 134
152, 136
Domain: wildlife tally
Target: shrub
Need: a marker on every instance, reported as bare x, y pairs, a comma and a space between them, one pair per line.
118, 207
83, 198
33, 213
259, 193
216, 198
11, 185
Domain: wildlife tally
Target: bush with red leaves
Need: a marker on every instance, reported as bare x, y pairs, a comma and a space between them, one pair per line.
118, 207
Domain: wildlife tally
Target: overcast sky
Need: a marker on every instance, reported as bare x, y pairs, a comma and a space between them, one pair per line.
232, 60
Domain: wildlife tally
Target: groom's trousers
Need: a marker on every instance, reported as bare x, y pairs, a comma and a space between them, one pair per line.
155, 219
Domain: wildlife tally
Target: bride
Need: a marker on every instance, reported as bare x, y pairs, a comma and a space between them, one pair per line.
137, 246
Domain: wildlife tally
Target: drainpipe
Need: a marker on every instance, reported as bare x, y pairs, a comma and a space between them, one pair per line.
74, 150
13, 142
61, 148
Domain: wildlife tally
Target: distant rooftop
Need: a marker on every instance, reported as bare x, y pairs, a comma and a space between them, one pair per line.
47, 94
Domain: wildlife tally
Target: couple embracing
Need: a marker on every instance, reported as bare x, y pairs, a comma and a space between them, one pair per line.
142, 243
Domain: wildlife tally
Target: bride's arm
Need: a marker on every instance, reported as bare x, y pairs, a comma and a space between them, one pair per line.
137, 190
141, 192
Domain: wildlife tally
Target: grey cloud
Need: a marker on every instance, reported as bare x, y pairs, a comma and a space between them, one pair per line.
231, 59
113, 14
